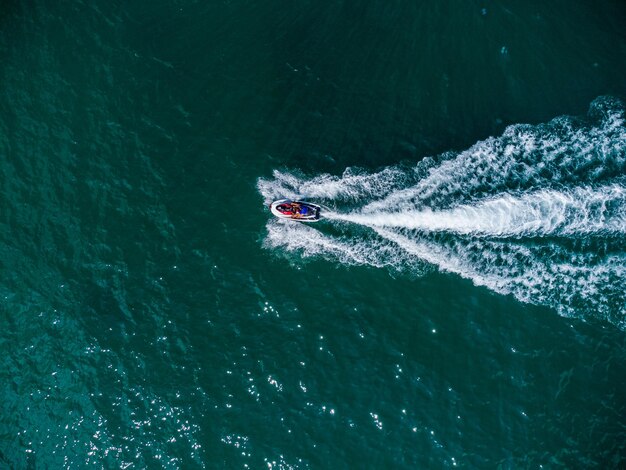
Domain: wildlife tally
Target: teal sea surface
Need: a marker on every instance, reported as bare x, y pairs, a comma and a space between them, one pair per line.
461, 305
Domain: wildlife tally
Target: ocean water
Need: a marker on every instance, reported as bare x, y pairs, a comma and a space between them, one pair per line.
462, 304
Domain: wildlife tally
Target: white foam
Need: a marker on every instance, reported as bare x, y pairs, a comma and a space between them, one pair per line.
538, 213
575, 212
353, 185
564, 279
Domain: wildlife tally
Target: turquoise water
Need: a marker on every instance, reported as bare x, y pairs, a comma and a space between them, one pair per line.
462, 305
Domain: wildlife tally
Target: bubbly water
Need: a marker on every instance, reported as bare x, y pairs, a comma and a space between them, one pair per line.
539, 213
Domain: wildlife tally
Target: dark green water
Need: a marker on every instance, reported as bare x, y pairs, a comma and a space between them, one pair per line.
152, 314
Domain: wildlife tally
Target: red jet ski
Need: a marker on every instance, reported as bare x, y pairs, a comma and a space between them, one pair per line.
296, 210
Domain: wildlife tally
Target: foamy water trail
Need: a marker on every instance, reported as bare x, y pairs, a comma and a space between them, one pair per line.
577, 212
538, 213
353, 185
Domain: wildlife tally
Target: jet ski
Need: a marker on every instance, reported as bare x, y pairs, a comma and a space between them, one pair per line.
299, 211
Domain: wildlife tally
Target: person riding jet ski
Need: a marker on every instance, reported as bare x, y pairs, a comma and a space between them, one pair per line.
299, 210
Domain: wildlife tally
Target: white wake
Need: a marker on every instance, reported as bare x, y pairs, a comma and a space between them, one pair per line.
538, 213
576, 212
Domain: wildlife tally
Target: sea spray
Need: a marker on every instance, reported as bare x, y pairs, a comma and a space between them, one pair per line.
576, 212
538, 213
